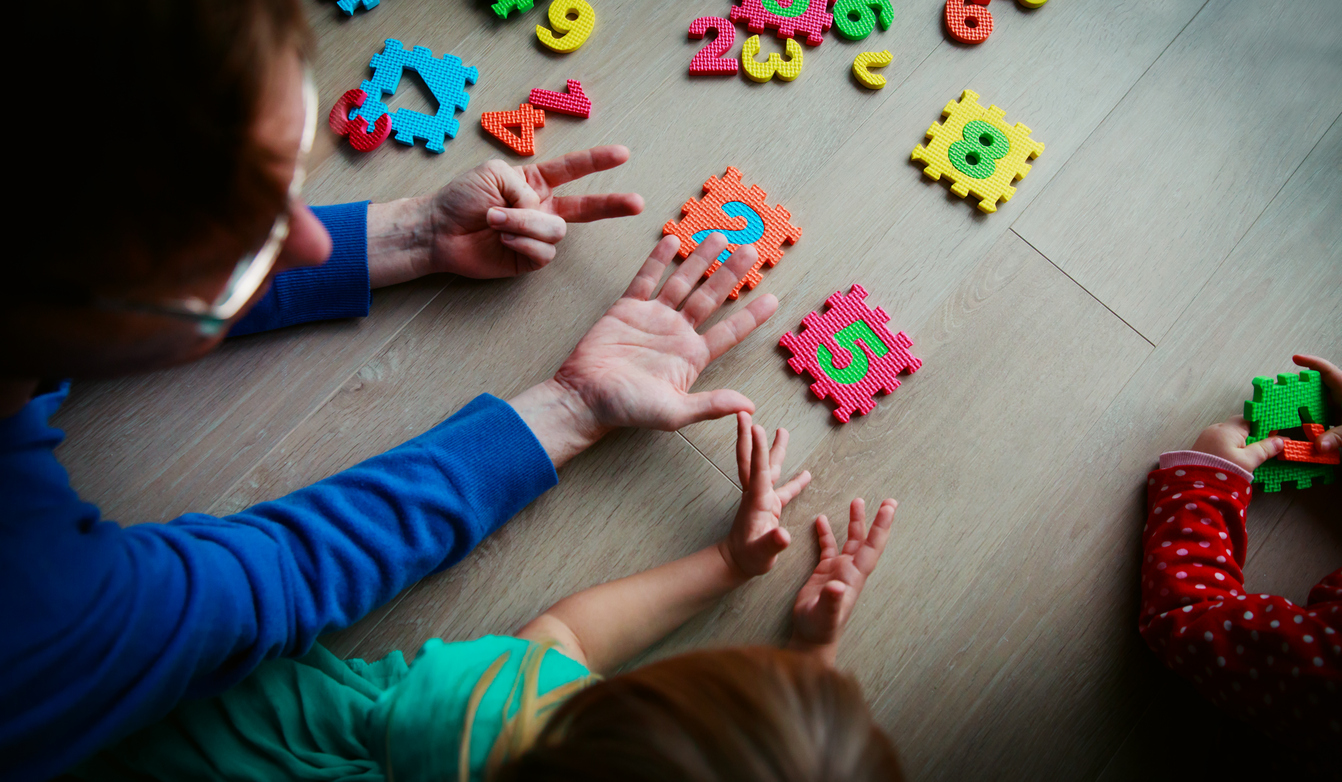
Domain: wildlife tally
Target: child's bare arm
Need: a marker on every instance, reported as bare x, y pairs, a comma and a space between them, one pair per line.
606, 625
826, 600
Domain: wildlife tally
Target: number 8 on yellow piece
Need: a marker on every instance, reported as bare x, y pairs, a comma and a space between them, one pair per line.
573, 31
775, 65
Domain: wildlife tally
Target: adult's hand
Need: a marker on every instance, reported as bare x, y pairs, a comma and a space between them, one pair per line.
495, 220
636, 365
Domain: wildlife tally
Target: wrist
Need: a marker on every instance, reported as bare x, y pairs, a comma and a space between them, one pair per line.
560, 419
400, 241
734, 573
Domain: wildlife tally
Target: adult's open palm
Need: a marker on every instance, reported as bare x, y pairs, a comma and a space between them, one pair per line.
636, 365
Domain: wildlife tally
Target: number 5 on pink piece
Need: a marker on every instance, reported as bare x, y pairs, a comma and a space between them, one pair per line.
710, 59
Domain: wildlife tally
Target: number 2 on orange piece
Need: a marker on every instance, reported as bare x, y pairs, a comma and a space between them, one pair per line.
787, 70
969, 21
710, 59
573, 20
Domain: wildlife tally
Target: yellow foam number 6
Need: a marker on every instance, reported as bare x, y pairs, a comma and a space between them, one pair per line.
775, 65
573, 20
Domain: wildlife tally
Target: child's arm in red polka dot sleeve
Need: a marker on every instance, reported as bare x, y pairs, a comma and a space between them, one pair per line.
1259, 656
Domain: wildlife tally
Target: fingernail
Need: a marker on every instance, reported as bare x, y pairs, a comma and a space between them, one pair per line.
496, 216
507, 237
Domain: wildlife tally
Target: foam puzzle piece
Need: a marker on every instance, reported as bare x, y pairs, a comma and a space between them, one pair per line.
572, 32
867, 60
349, 6
969, 21
855, 19
1032, 3
977, 151
811, 17
504, 7
526, 119
787, 70
873, 357
1308, 450
1286, 404
709, 59
445, 77
726, 203
573, 101
359, 137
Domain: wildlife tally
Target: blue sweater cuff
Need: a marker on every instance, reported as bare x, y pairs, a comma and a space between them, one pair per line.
338, 288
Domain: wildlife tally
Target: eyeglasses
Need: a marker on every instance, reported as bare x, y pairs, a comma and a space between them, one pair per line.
252, 269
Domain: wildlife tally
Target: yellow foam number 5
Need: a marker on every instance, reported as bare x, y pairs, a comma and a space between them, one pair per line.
573, 20
775, 65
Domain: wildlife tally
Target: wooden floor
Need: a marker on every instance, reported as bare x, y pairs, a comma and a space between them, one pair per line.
1181, 233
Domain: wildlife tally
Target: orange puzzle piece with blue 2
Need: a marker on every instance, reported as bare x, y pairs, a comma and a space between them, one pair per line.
850, 352
977, 151
743, 216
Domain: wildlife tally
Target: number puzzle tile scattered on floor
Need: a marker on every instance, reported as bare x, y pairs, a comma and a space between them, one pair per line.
977, 151
857, 336
349, 6
1289, 403
811, 17
865, 60
572, 32
445, 77
775, 65
573, 101
361, 139
505, 7
743, 216
526, 119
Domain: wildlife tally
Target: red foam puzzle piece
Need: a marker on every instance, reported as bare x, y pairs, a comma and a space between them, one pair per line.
969, 21
574, 101
356, 130
526, 119
815, 21
1308, 451
709, 59
849, 328
706, 214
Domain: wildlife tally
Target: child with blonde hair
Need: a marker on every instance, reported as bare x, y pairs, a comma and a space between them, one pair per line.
535, 706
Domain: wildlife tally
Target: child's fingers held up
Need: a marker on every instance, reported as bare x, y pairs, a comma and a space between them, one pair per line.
777, 454
870, 553
825, 537
789, 491
743, 448
761, 483
857, 526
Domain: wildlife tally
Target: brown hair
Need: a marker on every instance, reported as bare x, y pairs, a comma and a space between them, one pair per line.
730, 715
158, 160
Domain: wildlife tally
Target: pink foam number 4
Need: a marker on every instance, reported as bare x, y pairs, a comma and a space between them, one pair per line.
574, 101
710, 59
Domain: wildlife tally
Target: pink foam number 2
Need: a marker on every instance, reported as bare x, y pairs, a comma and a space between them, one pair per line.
574, 101
710, 59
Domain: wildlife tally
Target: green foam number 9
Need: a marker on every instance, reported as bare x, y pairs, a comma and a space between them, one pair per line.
797, 8
861, 27
978, 153
847, 338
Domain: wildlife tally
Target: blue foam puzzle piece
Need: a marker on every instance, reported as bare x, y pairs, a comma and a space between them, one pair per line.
445, 77
349, 6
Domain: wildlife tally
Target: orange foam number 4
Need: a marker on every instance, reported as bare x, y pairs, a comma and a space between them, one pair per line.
573, 20
969, 21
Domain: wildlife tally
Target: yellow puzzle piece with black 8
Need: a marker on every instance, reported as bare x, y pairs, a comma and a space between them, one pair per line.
977, 151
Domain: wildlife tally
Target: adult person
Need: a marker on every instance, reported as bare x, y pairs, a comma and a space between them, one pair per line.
105, 628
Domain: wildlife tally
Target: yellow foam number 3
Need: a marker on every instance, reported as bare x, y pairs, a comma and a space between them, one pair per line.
573, 20
775, 65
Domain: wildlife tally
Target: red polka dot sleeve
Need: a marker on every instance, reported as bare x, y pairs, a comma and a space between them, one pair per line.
1275, 664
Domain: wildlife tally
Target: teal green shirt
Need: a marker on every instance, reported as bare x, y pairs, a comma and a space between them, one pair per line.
320, 718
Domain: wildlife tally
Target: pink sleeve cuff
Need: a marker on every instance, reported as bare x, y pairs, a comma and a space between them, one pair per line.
1198, 458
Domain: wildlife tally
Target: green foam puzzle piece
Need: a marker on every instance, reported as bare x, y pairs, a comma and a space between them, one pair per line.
1276, 406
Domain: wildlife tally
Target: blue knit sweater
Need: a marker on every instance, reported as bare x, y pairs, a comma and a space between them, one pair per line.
103, 629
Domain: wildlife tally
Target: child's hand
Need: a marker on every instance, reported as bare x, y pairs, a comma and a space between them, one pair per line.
1226, 440
756, 540
827, 598
1330, 440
